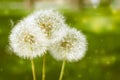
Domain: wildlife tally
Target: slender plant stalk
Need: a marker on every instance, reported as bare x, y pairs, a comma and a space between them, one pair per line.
33, 70
62, 69
43, 68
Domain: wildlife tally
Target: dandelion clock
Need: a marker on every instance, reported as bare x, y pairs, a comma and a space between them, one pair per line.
52, 23
71, 48
28, 41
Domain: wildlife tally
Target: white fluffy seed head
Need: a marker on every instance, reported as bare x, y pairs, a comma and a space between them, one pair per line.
51, 23
27, 41
72, 47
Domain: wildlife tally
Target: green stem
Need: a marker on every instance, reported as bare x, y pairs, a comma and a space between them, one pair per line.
33, 69
43, 68
62, 69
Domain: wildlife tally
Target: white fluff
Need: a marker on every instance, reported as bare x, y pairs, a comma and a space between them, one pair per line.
72, 47
51, 23
27, 40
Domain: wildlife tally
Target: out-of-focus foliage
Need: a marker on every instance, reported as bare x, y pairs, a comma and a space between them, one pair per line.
95, 20
102, 61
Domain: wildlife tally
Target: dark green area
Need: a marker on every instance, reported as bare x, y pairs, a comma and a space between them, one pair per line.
102, 60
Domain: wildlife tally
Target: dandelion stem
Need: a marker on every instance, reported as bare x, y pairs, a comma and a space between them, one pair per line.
62, 69
33, 70
43, 68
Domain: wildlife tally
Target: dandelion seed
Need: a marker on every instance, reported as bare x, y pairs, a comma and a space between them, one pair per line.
72, 47
52, 24
27, 41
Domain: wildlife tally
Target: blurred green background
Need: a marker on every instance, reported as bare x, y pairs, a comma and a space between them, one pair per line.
99, 21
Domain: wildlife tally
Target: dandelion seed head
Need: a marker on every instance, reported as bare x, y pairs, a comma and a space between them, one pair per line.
52, 24
72, 47
28, 41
